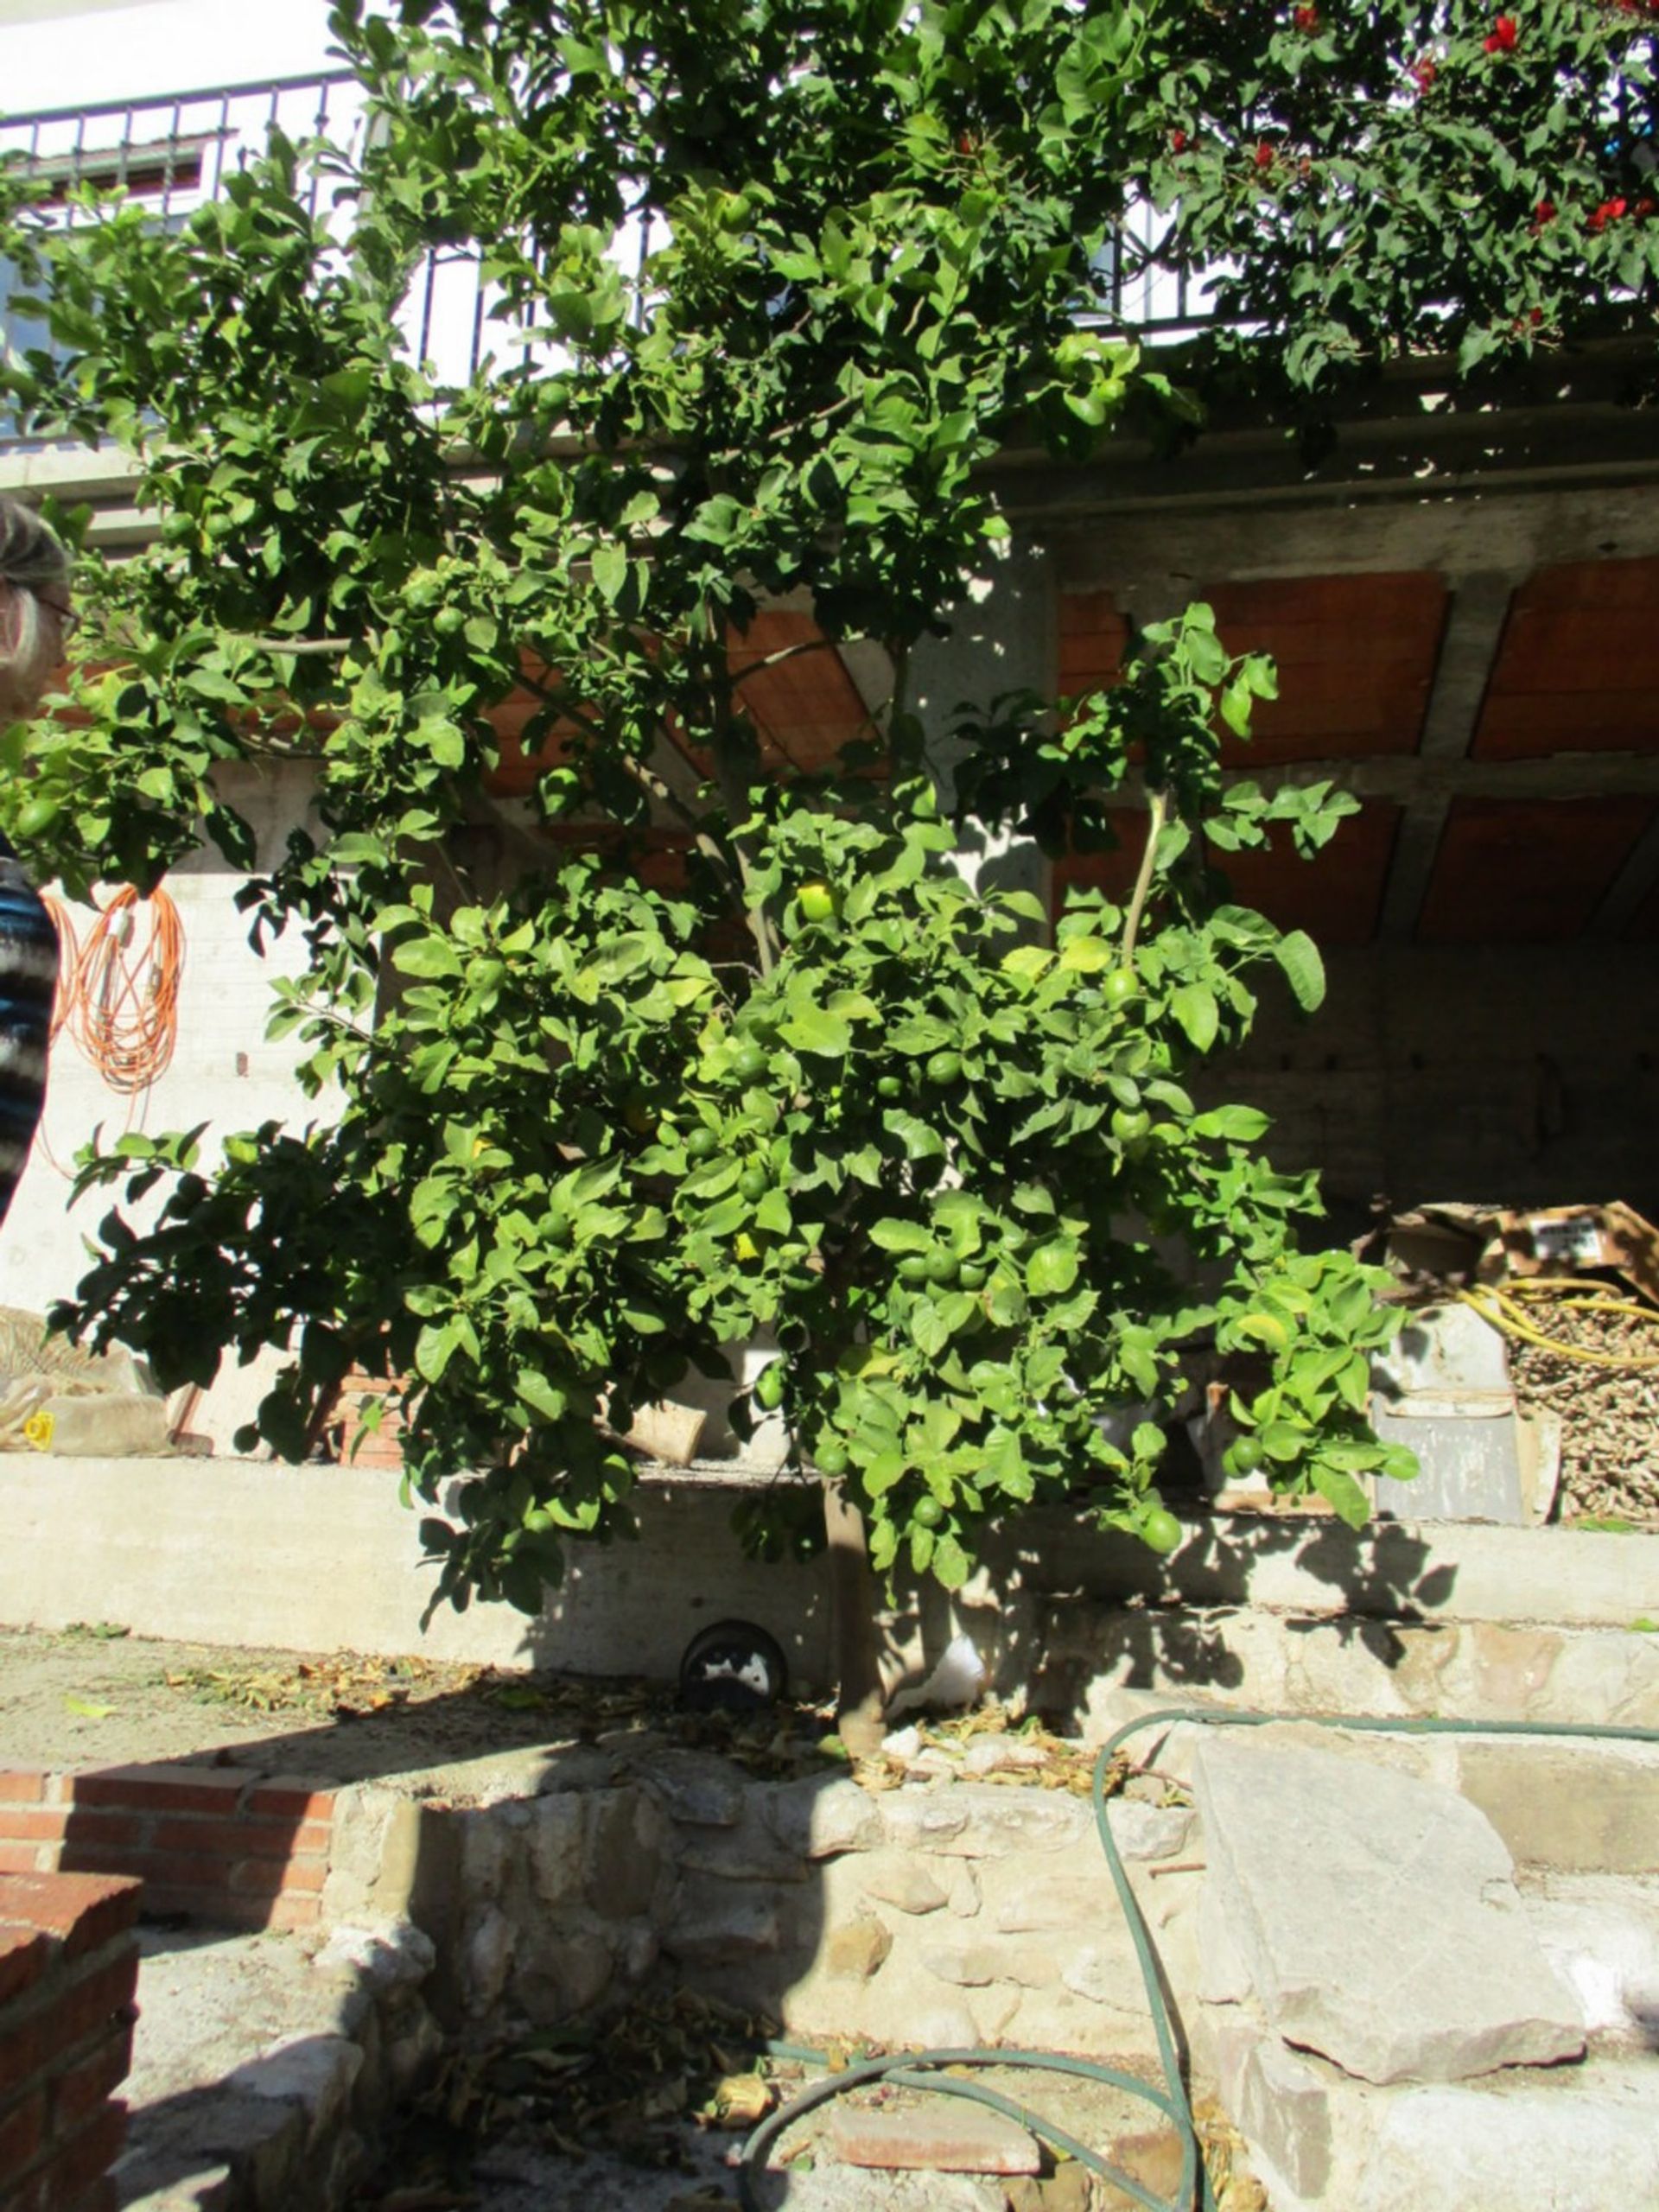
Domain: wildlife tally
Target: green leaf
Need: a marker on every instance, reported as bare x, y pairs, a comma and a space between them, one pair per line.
533, 1389
431, 957
1299, 956
1052, 1268
1340, 1489
1194, 1007
815, 1029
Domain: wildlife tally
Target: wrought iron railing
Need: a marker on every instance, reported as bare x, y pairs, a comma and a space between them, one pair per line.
173, 153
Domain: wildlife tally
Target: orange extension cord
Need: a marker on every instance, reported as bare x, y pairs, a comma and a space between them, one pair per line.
117, 997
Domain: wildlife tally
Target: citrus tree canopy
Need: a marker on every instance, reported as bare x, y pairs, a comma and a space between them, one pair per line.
704, 1043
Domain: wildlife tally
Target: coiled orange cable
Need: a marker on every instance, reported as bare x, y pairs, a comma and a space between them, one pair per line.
118, 998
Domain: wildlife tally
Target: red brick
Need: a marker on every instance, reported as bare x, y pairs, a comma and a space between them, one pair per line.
214, 1908
18, 1787
293, 1909
162, 1789
32, 1824
91, 1826
74, 2170
294, 1796
22, 1954
91, 2079
22, 2131
937, 2137
83, 1910
22, 2053
19, 1857
103, 1996
171, 1869
241, 1839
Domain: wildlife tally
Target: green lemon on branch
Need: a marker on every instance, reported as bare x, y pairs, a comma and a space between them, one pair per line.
817, 902
769, 1387
701, 1144
927, 1513
1160, 1532
1243, 1456
1120, 986
830, 1456
753, 1183
945, 1069
36, 816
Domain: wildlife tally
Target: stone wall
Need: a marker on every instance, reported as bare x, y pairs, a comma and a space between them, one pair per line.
945, 1914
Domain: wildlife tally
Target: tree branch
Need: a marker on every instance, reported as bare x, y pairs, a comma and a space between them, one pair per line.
1157, 814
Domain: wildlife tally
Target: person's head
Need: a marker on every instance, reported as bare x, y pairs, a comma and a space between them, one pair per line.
34, 616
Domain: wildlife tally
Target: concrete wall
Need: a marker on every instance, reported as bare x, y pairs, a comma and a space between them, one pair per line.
223, 1071
1525, 1074
319, 1558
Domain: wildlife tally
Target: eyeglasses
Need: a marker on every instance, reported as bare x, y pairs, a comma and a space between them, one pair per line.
68, 620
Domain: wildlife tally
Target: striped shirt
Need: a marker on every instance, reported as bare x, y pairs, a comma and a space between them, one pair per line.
28, 976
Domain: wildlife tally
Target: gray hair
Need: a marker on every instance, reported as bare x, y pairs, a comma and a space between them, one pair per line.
33, 559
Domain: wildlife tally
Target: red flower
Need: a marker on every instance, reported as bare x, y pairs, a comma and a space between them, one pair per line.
1543, 213
1424, 72
1307, 19
1264, 155
1609, 212
1178, 142
1535, 317
1503, 35
1644, 206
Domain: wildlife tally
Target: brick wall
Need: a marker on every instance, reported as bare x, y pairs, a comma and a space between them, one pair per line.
68, 1967
210, 1843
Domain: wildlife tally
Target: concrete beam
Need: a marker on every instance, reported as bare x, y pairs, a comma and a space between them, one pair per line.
1477, 612
1184, 542
1629, 887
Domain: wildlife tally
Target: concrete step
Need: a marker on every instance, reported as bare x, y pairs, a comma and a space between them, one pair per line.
264, 2066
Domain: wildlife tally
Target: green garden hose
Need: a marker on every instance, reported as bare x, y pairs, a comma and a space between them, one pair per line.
921, 2069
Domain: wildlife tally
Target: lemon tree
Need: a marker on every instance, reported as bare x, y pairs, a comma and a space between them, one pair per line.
691, 1047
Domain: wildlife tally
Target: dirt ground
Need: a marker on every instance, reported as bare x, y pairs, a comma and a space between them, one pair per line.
93, 1696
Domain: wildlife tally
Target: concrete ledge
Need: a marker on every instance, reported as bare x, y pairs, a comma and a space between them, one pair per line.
318, 1558
324, 1557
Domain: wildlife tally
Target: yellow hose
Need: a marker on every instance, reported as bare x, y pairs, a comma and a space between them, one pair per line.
1503, 1309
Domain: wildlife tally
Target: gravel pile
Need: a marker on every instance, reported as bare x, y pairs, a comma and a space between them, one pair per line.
1609, 1415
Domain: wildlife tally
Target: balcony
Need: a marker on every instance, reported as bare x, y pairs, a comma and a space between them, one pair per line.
173, 154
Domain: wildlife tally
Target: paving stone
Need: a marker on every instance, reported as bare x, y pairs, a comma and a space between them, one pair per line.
940, 2135
1141, 1831
717, 1923
817, 1820
1377, 1916
625, 1842
702, 1792
922, 1820
1062, 1904
971, 1966
1538, 2150
1003, 1755
1590, 1812
906, 1885
1105, 1974
1275, 2100
989, 1822
554, 1836
316, 2073
857, 1949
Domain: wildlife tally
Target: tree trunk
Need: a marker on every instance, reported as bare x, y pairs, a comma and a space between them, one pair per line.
854, 1645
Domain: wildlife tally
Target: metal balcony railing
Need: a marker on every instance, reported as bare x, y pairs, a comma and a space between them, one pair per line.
173, 154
